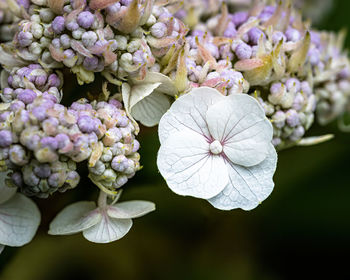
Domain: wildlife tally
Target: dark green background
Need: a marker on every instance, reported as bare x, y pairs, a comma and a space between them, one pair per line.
302, 231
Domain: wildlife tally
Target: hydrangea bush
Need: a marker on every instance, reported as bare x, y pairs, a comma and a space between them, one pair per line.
228, 90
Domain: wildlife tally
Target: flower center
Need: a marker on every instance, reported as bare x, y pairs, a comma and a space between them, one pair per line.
215, 147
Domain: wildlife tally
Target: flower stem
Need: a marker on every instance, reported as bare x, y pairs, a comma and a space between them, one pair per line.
102, 199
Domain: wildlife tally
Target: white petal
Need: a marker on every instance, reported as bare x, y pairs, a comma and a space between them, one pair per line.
239, 122
141, 91
75, 218
166, 86
189, 111
2, 247
248, 186
108, 229
19, 221
126, 92
188, 168
130, 209
150, 109
5, 192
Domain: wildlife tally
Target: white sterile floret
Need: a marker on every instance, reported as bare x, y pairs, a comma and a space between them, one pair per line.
217, 148
19, 216
147, 100
99, 224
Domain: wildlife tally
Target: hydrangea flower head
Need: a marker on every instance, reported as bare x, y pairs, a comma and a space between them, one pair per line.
218, 148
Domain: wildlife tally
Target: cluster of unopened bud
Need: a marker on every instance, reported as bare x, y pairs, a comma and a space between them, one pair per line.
290, 106
31, 78
38, 134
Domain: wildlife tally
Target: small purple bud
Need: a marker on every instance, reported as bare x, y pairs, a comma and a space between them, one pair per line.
159, 30
65, 41
275, 88
126, 2
63, 141
49, 142
214, 51
54, 81
17, 105
73, 25
56, 43
292, 118
85, 19
293, 83
17, 179
39, 112
4, 116
73, 178
90, 63
34, 66
298, 102
136, 146
298, 133
279, 119
278, 36
54, 179
69, 53
119, 163
42, 170
5, 138
86, 124
230, 30
305, 88
27, 96
315, 38
239, 18
10, 80
80, 107
243, 51
138, 57
114, 8
24, 3
18, 155
18, 91
314, 56
254, 35
24, 38
115, 103
276, 141
40, 80
293, 34
58, 24
7, 91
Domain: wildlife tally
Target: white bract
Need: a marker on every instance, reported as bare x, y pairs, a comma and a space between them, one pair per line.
217, 148
147, 100
103, 224
19, 216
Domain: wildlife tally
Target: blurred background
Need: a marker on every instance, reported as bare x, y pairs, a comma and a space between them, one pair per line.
302, 231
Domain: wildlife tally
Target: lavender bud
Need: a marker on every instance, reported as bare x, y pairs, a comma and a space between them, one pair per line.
85, 19
243, 51
158, 30
254, 35
24, 38
5, 138
27, 96
58, 24
292, 118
